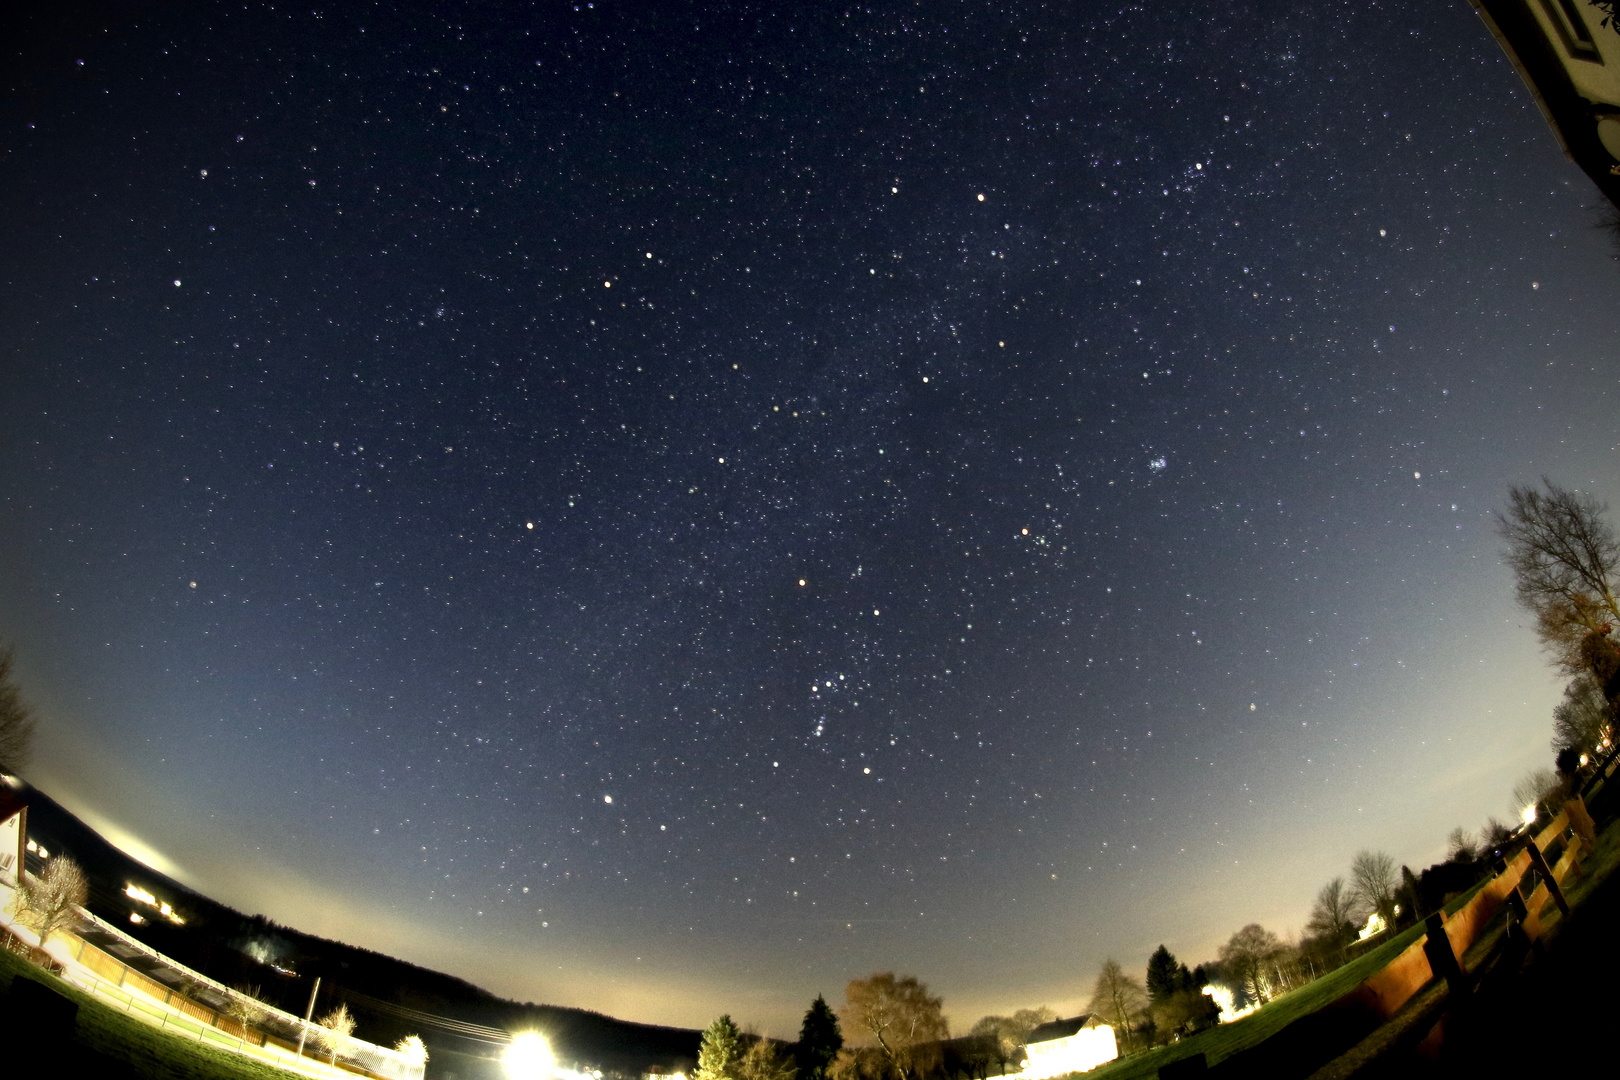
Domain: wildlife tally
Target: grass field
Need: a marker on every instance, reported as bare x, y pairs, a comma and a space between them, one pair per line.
149, 1053
1222, 1042
1227, 1039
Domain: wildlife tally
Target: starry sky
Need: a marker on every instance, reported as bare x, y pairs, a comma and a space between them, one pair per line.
669, 508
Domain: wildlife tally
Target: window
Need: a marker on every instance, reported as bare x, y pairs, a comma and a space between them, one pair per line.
1565, 15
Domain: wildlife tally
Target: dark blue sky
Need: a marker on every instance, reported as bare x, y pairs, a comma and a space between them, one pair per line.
670, 510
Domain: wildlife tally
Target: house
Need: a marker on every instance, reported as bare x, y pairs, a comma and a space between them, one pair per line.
1568, 53
13, 832
1067, 1046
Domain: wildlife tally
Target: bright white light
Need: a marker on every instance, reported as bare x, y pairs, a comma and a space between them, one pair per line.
1375, 926
1081, 1052
529, 1057
1529, 814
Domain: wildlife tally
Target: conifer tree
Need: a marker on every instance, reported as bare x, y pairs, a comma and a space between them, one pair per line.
720, 1054
1163, 975
820, 1039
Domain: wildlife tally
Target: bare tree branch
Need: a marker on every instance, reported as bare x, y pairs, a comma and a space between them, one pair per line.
16, 720
1563, 555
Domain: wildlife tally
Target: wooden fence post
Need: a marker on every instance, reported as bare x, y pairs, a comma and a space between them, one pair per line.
1442, 960
1581, 822
1540, 863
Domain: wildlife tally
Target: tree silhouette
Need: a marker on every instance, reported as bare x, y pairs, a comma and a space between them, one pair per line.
820, 1039
1584, 720
1372, 883
1120, 1000
1333, 918
1245, 956
1163, 974
1563, 555
16, 720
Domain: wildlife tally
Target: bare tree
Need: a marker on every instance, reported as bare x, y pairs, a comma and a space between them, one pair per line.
1372, 883
246, 1009
1003, 1035
1495, 834
763, 1061
1333, 917
335, 1031
414, 1051
1584, 720
1120, 1000
1534, 787
48, 902
1563, 555
1246, 957
898, 1015
1460, 846
992, 1040
16, 720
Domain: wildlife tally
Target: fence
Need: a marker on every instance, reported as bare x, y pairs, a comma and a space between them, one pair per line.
1548, 859
1528, 886
95, 970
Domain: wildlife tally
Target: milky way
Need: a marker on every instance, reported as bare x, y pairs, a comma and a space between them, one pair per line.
671, 510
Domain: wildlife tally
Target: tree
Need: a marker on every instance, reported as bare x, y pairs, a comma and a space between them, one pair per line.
48, 902
1534, 787
1333, 918
820, 1039
1002, 1036
1563, 555
1120, 1000
720, 1052
1494, 834
246, 1009
763, 1061
858, 1063
1185, 1010
899, 1016
415, 1053
334, 1033
16, 720
1164, 976
1025, 1021
1246, 956
1372, 883
1460, 846
1584, 720
994, 1040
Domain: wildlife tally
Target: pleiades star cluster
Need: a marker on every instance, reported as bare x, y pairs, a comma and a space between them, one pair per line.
669, 508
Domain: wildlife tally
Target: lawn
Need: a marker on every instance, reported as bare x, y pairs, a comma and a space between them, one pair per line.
150, 1054
1222, 1042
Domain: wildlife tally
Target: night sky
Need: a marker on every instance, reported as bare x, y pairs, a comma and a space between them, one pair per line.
669, 508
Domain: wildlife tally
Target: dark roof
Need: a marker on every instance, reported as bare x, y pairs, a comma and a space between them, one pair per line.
1058, 1029
1544, 65
10, 803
